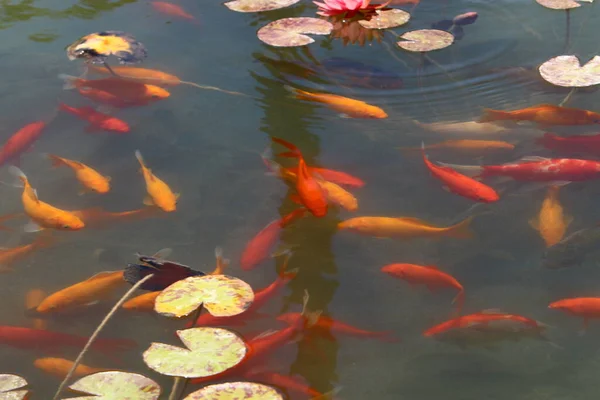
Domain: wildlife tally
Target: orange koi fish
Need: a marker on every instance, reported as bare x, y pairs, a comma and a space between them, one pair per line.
310, 192
43, 215
144, 75
60, 367
96, 119
330, 175
159, 193
20, 142
8, 256
172, 10
350, 107
460, 184
544, 114
405, 228
33, 298
551, 222
586, 307
92, 290
429, 276
466, 146
88, 177
482, 318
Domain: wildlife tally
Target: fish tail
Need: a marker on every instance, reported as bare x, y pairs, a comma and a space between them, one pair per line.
140, 159
490, 115
292, 147
460, 301
461, 230
293, 216
469, 170
20, 175
56, 160
298, 94
70, 81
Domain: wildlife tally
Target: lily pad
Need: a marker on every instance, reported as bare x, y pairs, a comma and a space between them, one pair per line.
236, 390
8, 384
559, 4
96, 47
209, 352
258, 5
221, 295
567, 71
116, 385
425, 40
386, 19
290, 32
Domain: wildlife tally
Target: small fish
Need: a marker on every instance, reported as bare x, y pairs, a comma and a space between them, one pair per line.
460, 184
88, 177
165, 272
584, 144
469, 146
9, 256
99, 287
172, 10
159, 193
33, 298
20, 142
405, 228
345, 105
586, 307
551, 222
429, 276
60, 367
572, 250
43, 215
97, 120
544, 114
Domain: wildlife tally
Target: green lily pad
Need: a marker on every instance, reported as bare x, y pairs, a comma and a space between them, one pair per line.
559, 4
386, 19
236, 390
258, 5
8, 384
221, 295
210, 351
567, 71
425, 40
291, 32
116, 385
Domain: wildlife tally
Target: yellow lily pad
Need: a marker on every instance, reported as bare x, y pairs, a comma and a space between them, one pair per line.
425, 40
236, 390
384, 19
221, 295
8, 384
116, 385
209, 352
566, 71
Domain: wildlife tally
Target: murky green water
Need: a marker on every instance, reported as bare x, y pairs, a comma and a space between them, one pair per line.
207, 146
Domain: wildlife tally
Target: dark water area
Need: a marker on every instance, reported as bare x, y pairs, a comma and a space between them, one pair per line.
207, 144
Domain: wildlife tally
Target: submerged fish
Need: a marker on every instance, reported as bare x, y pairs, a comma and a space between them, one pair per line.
60, 367
20, 142
97, 119
172, 10
572, 250
159, 193
551, 222
89, 178
584, 144
586, 307
475, 129
470, 146
544, 114
8, 256
165, 272
405, 227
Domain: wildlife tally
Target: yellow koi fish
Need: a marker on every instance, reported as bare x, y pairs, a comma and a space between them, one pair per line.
159, 193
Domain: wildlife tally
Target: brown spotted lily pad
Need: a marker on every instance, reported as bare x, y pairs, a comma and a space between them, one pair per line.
236, 390
384, 19
425, 40
221, 295
8, 385
567, 71
559, 4
210, 351
116, 385
258, 5
290, 32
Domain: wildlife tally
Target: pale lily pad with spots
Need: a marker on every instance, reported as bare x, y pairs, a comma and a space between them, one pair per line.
567, 71
559, 4
385, 19
425, 40
116, 385
8, 385
236, 390
221, 295
291, 32
210, 351
258, 5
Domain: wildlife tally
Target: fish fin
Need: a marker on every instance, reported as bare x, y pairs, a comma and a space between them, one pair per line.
31, 227
177, 195
534, 223
69, 81
461, 230
56, 160
490, 115
162, 254
140, 159
108, 178
17, 173
568, 220
100, 275
312, 317
288, 145
264, 334
148, 201
469, 170
533, 159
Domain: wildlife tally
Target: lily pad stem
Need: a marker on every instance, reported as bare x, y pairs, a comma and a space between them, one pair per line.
97, 332
568, 98
109, 69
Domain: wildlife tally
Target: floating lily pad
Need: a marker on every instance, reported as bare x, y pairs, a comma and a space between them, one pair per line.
96, 47
209, 352
116, 385
8, 384
258, 5
566, 71
386, 19
290, 32
425, 40
559, 4
236, 390
221, 295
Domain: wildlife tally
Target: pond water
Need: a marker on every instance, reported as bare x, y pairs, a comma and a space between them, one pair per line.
207, 146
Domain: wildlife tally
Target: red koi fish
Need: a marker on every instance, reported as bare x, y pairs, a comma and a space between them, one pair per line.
286, 382
258, 248
330, 175
334, 326
588, 144
460, 184
429, 276
172, 10
537, 169
96, 119
20, 142
482, 318
308, 188
586, 307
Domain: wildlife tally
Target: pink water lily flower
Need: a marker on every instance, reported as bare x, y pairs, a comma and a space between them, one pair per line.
334, 7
